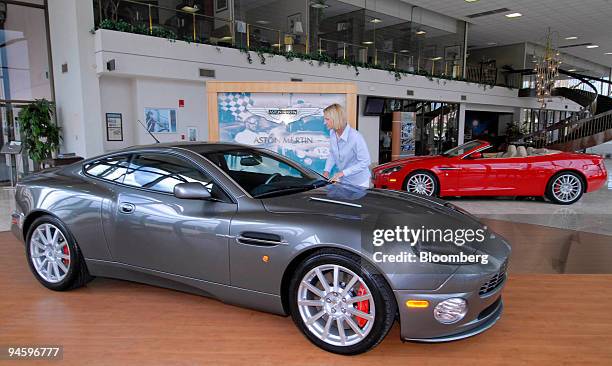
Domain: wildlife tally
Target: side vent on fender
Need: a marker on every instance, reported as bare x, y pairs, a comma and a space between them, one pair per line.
259, 239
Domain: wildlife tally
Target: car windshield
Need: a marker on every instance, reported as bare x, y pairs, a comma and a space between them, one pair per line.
462, 149
265, 174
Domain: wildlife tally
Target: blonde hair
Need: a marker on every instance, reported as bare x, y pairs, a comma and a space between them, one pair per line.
335, 112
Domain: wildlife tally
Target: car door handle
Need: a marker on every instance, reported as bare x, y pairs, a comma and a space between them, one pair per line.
127, 208
449, 168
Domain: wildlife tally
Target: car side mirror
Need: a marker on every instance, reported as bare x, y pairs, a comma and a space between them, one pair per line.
191, 190
476, 155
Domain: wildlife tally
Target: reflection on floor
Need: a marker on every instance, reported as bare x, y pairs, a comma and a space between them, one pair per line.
7, 205
118, 323
593, 213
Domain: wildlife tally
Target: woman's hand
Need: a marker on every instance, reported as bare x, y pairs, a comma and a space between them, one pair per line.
337, 176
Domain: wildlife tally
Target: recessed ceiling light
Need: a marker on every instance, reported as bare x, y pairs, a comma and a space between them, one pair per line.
367, 42
592, 46
421, 32
571, 70
571, 38
262, 21
514, 15
471, 1
375, 20
492, 43
318, 6
608, 53
437, 58
276, 45
404, 51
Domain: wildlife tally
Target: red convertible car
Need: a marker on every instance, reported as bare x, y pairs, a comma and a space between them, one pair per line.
471, 170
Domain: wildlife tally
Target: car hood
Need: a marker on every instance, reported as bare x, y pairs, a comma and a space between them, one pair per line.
364, 210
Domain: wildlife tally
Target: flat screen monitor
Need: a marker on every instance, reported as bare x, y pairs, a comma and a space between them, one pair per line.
374, 106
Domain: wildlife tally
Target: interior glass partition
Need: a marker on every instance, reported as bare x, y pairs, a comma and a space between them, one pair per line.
24, 73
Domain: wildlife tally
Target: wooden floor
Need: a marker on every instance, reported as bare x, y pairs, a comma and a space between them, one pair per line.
550, 319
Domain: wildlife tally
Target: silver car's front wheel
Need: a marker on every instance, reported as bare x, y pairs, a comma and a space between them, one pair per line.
50, 253
340, 302
336, 305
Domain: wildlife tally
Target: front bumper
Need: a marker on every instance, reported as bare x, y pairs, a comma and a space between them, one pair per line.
419, 324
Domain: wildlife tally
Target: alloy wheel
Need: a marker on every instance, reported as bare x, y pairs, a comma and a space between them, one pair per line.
421, 183
336, 305
50, 253
566, 188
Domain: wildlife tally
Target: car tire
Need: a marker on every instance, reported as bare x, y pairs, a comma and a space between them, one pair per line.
381, 306
57, 264
565, 188
423, 183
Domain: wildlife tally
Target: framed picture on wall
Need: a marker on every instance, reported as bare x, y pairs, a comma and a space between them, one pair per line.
220, 5
114, 127
452, 53
192, 133
160, 120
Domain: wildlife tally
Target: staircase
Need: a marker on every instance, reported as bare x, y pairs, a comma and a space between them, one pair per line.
576, 134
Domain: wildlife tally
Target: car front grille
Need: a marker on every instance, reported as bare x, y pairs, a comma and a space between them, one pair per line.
494, 282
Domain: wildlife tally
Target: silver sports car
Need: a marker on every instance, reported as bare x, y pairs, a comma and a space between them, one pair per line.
250, 227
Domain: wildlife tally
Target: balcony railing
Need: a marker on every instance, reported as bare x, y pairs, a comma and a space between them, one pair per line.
145, 18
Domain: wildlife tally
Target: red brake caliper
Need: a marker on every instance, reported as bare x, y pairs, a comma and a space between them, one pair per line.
362, 306
66, 252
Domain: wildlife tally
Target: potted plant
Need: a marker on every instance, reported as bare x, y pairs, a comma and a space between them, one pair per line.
39, 134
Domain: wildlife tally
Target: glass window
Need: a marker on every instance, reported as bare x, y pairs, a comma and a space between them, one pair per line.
24, 54
262, 174
112, 169
162, 172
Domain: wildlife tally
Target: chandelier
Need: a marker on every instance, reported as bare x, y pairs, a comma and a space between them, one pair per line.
547, 70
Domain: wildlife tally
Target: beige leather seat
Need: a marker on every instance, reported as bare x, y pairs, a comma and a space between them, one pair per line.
521, 151
530, 151
511, 152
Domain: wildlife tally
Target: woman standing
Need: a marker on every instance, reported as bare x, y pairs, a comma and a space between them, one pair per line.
348, 150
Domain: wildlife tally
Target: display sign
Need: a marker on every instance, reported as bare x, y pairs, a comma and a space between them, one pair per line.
160, 120
114, 127
407, 133
289, 123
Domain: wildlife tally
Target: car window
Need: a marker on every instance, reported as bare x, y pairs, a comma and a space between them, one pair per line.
264, 174
257, 163
161, 173
462, 149
112, 169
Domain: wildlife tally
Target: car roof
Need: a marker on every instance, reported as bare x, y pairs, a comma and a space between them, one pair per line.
198, 147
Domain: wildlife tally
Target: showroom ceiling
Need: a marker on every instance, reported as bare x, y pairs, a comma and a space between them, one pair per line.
589, 20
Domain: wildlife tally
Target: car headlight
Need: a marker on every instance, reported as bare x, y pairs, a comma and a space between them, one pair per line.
394, 169
450, 311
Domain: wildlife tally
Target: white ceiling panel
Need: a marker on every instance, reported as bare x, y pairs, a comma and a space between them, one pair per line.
589, 20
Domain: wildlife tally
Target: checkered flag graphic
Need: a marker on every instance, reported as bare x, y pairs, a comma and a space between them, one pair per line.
236, 103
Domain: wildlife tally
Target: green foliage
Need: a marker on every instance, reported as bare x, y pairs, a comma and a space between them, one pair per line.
123, 26
38, 132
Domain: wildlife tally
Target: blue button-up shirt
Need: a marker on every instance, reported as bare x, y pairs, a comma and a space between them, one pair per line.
349, 154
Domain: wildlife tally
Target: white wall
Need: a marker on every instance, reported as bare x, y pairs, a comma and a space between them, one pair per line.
369, 126
77, 92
